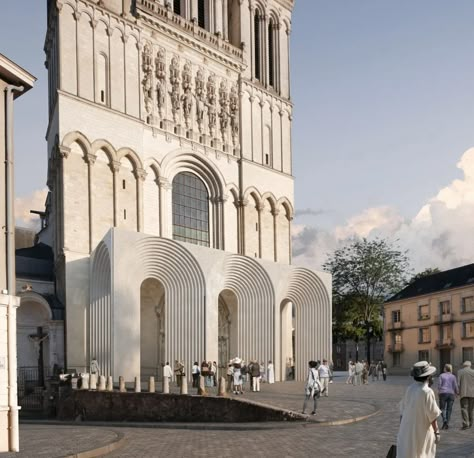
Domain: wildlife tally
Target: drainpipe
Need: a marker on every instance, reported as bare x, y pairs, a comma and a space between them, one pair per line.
10, 257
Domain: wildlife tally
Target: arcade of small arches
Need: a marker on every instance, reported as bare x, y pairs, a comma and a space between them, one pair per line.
184, 197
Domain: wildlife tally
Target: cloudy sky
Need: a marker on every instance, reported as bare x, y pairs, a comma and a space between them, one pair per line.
383, 125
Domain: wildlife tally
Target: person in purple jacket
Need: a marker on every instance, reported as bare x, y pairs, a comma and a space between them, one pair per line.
447, 390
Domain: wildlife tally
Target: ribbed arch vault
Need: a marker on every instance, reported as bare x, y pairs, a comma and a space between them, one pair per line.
313, 318
177, 269
256, 299
100, 311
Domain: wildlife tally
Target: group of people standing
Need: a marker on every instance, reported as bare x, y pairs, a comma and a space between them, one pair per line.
419, 432
360, 371
238, 373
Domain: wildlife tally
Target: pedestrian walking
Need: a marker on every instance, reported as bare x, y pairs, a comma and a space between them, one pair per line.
178, 371
214, 373
373, 370
466, 393
230, 372
312, 388
365, 373
419, 433
447, 390
254, 369
384, 371
324, 373
358, 372
167, 372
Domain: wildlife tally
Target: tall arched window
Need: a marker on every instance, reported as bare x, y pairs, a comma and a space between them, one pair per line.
190, 209
258, 40
271, 53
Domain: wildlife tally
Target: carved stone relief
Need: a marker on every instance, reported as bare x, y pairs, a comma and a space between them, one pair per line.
200, 99
160, 73
147, 82
224, 111
234, 113
187, 97
211, 104
175, 89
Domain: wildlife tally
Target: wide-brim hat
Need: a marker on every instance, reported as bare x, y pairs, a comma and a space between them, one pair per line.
237, 361
422, 369
467, 364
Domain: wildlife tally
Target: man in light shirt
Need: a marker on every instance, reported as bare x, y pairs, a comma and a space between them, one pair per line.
167, 372
324, 374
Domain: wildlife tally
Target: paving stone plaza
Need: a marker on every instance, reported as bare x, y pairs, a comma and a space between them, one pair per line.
352, 421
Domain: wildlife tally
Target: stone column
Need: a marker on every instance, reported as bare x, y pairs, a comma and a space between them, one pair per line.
260, 207
275, 214
165, 207
90, 161
226, 20
140, 176
218, 10
115, 167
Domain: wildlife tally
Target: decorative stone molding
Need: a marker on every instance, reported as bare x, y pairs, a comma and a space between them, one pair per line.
164, 183
187, 97
260, 207
275, 212
63, 152
140, 174
175, 90
115, 166
90, 158
160, 73
147, 82
224, 111
200, 97
211, 103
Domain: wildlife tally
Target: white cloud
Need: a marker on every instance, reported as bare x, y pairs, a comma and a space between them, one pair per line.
440, 235
23, 205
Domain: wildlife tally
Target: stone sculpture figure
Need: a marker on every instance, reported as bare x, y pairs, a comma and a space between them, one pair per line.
224, 111
160, 73
211, 103
187, 98
200, 99
147, 82
175, 91
234, 112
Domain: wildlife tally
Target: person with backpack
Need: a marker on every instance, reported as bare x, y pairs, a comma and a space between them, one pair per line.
312, 387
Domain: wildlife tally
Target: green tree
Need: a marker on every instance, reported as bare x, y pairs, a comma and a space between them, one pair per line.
364, 274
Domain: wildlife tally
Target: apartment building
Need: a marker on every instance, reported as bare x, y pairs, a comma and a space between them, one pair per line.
431, 319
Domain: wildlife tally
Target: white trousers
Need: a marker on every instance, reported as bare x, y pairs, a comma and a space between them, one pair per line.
255, 383
325, 386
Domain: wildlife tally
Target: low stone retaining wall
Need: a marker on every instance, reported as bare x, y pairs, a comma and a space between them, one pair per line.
155, 407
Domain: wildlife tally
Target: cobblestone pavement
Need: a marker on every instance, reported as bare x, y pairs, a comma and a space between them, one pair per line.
50, 441
371, 437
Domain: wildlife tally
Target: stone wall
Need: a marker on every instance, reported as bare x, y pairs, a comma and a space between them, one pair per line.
154, 407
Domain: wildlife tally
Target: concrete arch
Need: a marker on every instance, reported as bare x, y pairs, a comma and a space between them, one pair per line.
185, 289
79, 138
131, 155
312, 301
256, 298
101, 311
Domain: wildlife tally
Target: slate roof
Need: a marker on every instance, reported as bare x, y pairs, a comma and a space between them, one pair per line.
36, 262
449, 279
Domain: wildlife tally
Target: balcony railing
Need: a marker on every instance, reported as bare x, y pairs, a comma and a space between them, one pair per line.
156, 9
395, 348
445, 343
444, 318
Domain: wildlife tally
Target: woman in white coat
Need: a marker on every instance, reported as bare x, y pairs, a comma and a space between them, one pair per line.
270, 372
419, 432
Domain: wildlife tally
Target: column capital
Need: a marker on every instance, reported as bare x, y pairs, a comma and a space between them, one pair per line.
114, 166
275, 212
140, 174
63, 152
90, 158
163, 183
260, 206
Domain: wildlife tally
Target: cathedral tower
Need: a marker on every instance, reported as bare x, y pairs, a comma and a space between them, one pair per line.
170, 139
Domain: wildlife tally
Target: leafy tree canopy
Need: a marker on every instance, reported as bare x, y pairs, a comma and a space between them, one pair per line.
364, 274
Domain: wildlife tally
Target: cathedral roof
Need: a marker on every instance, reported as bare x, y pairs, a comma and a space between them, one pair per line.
35, 262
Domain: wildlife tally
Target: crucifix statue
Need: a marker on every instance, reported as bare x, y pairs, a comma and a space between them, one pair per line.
38, 340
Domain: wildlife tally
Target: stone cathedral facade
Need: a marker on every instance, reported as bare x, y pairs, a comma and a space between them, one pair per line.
171, 188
